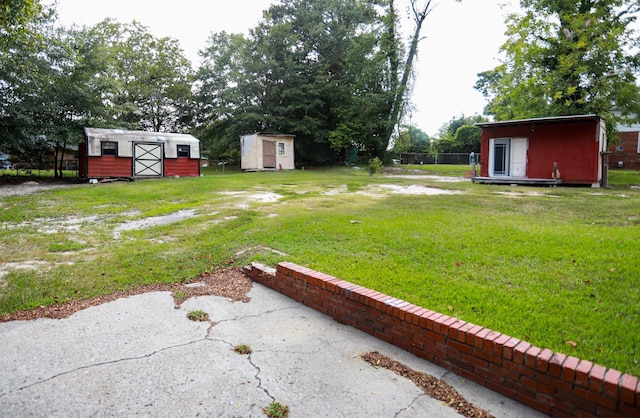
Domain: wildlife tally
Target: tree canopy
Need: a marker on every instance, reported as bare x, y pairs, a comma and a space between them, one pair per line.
567, 57
54, 81
321, 70
335, 73
412, 139
459, 135
332, 72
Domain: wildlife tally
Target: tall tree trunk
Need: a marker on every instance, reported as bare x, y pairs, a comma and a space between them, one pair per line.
64, 146
420, 13
56, 152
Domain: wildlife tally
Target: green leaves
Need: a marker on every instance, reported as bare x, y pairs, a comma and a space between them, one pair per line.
149, 79
566, 58
325, 71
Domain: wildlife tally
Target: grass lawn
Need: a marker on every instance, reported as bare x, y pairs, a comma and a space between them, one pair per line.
559, 267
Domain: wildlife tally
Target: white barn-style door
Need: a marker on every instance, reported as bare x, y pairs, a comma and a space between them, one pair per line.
147, 159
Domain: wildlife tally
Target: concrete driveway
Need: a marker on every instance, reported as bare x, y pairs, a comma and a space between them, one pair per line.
142, 356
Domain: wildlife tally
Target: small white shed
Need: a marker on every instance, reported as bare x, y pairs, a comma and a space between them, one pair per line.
262, 151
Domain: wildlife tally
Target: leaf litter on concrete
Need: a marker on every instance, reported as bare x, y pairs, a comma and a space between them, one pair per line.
432, 386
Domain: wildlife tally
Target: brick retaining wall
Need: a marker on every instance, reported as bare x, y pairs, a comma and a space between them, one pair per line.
555, 384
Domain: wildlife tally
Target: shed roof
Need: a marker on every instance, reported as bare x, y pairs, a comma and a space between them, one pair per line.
540, 121
121, 134
274, 135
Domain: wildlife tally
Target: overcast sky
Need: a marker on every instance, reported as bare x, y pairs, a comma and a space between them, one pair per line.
462, 39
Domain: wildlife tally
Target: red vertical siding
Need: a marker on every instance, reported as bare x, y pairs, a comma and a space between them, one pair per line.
109, 166
573, 146
485, 136
186, 167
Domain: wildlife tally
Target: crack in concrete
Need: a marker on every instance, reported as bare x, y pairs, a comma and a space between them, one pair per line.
410, 406
153, 353
103, 363
236, 318
259, 379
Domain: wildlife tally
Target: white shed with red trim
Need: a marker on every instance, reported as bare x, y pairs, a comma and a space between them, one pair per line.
120, 153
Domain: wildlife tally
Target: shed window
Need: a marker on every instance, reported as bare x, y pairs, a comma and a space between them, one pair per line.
638, 142
184, 151
280, 148
109, 148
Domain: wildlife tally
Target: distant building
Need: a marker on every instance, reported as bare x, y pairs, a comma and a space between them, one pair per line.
625, 153
138, 154
262, 151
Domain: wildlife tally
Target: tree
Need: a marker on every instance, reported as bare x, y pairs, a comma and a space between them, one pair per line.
400, 87
15, 17
332, 72
459, 135
565, 58
149, 79
222, 92
316, 69
47, 91
20, 41
412, 139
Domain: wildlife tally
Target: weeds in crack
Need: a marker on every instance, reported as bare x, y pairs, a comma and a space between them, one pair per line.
242, 349
198, 315
276, 410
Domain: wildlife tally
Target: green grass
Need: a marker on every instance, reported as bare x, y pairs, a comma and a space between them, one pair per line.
276, 410
198, 315
37, 173
438, 169
558, 267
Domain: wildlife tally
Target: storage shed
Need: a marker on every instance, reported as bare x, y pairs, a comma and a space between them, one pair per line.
552, 150
138, 154
262, 151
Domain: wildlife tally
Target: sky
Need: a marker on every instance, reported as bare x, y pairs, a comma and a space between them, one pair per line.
461, 39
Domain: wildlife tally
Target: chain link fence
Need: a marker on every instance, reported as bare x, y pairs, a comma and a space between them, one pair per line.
439, 158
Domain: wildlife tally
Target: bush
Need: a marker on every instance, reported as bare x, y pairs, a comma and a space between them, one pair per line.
375, 165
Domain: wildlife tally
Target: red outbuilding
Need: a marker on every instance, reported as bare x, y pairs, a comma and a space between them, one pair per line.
138, 154
552, 150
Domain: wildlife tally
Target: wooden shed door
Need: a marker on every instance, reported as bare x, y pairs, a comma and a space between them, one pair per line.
268, 154
147, 159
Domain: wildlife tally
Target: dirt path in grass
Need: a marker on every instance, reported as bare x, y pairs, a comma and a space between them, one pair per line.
18, 186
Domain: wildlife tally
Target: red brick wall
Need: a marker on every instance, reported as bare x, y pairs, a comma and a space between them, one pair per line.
555, 384
629, 154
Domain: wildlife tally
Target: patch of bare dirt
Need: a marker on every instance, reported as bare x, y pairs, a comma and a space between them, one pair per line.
432, 386
230, 283
20, 185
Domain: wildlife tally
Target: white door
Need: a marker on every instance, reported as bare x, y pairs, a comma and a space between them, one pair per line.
508, 157
518, 166
147, 159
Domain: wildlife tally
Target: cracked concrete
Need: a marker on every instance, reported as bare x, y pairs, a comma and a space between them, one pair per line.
141, 356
